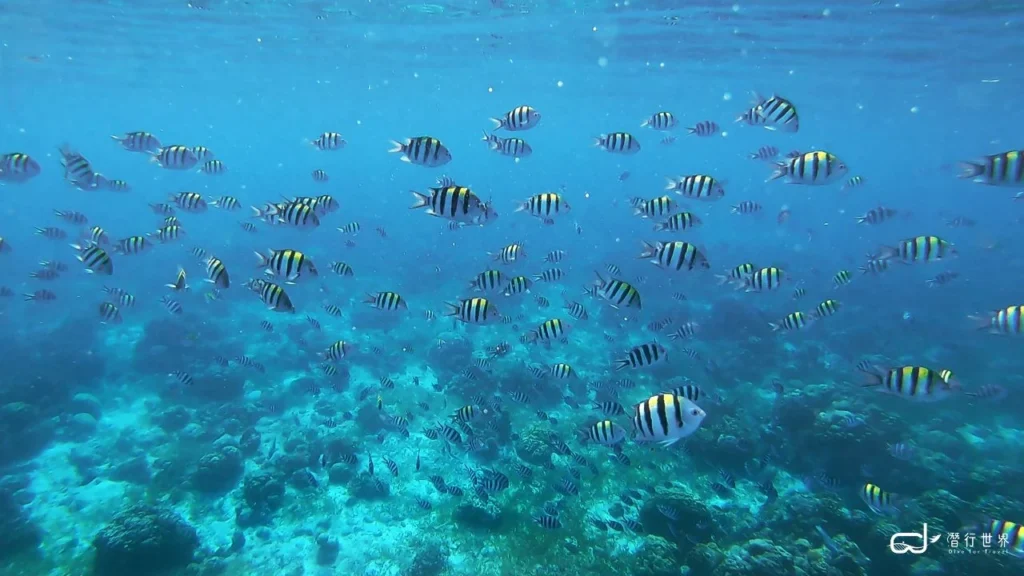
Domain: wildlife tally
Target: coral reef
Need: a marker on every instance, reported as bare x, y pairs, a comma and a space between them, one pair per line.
144, 541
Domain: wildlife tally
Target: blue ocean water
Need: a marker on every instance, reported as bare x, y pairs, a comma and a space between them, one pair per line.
213, 441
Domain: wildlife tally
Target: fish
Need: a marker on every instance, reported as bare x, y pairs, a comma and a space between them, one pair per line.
877, 216
618, 143
295, 214
329, 141
474, 311
519, 118
746, 207
422, 150
545, 205
772, 113
96, 259
213, 167
666, 418
217, 273
679, 222
1003, 321
879, 501
18, 167
674, 256
457, 203
661, 121
175, 157
1005, 169
697, 187
386, 301
286, 263
512, 147
765, 153
914, 383
272, 295
811, 168
704, 129
919, 249
765, 279
138, 141
605, 432
616, 293
644, 355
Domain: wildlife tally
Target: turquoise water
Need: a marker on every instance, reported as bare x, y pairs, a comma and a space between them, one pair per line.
237, 470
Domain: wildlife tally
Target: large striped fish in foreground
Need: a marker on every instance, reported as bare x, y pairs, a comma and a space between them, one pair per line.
666, 418
1005, 321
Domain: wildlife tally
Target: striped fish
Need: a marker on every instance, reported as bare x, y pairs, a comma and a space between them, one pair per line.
914, 383
792, 321
386, 301
617, 293
679, 222
606, 433
696, 187
175, 157
773, 113
457, 203
811, 168
18, 167
512, 147
488, 281
545, 205
474, 311
642, 356
95, 259
1004, 169
272, 295
661, 121
765, 279
919, 249
878, 500
666, 418
329, 141
287, 264
519, 118
674, 256
422, 150
618, 143
138, 142
1005, 321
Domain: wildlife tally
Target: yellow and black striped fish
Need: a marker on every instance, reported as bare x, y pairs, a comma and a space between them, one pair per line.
617, 293
288, 264
272, 295
765, 279
792, 321
216, 273
320, 176
167, 234
644, 355
109, 313
697, 187
661, 121
487, 281
811, 168
606, 432
189, 201
842, 278
342, 269
95, 259
336, 351
660, 206
175, 157
422, 150
679, 222
457, 203
618, 143
18, 167
919, 249
213, 167
674, 256
773, 113
518, 285
549, 331
386, 301
132, 245
474, 311
292, 213
911, 382
519, 118
1005, 321
666, 418
512, 147
1004, 169
138, 142
511, 253
545, 205
827, 308
878, 500
329, 141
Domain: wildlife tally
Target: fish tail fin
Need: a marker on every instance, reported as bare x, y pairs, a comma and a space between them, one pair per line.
396, 146
422, 200
971, 169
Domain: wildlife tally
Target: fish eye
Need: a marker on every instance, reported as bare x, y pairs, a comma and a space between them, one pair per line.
695, 412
